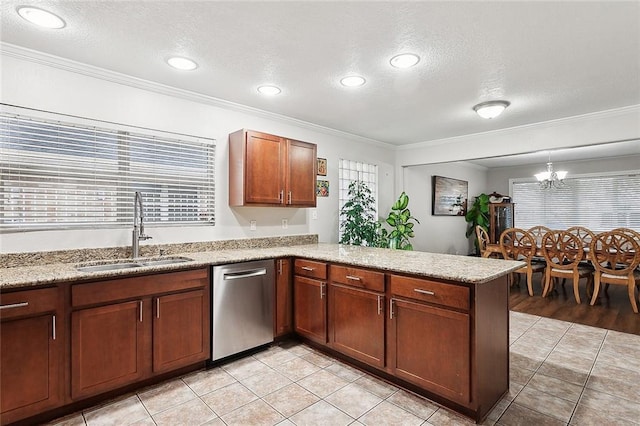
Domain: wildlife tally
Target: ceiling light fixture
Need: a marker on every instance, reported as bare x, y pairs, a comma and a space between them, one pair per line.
491, 109
182, 64
353, 81
550, 179
269, 90
41, 18
404, 60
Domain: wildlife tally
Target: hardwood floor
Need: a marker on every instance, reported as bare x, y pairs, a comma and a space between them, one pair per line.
612, 311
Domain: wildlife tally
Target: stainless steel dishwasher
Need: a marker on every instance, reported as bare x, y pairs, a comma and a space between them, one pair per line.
242, 307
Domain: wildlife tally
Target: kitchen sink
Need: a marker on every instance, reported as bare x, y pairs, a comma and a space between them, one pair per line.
119, 264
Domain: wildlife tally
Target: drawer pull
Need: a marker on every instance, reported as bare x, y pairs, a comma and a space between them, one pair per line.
307, 268
427, 292
15, 305
351, 277
53, 327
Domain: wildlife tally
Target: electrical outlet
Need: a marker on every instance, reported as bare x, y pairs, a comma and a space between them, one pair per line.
314, 214
285, 223
252, 225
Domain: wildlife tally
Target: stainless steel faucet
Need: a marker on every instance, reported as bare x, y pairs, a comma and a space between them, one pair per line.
138, 228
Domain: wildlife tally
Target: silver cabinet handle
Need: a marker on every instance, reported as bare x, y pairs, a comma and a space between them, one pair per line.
379, 304
158, 307
352, 277
289, 197
141, 311
280, 267
15, 305
53, 327
322, 290
427, 292
391, 308
306, 268
281, 196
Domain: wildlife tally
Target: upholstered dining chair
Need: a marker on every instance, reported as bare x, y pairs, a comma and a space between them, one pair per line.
486, 249
615, 256
563, 252
537, 232
518, 244
585, 234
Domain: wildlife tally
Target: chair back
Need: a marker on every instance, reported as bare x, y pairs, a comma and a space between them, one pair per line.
517, 244
483, 238
562, 249
634, 234
585, 234
537, 232
615, 253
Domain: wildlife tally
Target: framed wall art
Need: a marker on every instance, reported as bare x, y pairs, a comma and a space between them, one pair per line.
322, 188
322, 166
449, 196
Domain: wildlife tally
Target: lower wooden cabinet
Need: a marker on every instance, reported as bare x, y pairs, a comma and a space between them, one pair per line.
356, 323
31, 348
430, 346
310, 314
283, 324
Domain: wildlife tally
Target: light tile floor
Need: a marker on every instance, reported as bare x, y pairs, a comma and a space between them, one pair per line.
561, 374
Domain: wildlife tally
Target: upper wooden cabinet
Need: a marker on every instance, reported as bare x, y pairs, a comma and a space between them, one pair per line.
269, 170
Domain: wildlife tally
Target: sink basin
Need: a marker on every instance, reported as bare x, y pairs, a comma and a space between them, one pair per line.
108, 267
119, 264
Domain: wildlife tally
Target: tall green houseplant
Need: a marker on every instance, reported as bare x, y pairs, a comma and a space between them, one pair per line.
478, 214
359, 224
401, 223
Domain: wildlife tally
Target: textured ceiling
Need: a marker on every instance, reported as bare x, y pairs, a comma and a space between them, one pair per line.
549, 59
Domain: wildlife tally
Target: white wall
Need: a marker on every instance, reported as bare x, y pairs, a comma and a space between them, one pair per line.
60, 86
441, 234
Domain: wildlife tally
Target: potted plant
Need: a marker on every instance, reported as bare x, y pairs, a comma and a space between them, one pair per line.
401, 222
478, 214
359, 226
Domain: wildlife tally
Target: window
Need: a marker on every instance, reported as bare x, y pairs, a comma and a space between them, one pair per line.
83, 173
349, 171
600, 203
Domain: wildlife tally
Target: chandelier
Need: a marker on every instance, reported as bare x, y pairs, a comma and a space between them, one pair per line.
549, 178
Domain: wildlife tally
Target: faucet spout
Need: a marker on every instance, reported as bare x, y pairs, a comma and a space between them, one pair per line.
138, 228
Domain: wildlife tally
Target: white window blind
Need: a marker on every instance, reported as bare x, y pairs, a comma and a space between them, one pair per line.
61, 174
600, 203
350, 171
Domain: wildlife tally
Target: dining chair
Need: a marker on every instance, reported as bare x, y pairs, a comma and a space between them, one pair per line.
486, 249
615, 256
538, 232
564, 252
634, 234
518, 244
585, 234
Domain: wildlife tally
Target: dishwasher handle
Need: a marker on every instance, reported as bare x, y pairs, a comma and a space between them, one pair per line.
244, 274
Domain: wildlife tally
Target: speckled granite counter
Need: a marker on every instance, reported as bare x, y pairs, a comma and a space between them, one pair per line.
441, 266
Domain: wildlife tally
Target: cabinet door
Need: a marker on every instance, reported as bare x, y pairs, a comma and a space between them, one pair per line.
310, 308
430, 347
180, 330
106, 347
301, 173
356, 323
284, 298
29, 367
264, 169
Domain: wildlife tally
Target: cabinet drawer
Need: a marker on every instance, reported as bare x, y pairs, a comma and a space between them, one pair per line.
28, 302
430, 291
135, 287
309, 268
357, 277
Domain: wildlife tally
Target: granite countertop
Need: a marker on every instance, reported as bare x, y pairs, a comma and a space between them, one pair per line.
466, 269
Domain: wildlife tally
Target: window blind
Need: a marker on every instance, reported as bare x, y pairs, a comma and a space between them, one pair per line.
61, 174
600, 203
350, 171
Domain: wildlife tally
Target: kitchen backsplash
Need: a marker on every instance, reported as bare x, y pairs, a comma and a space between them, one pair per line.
11, 260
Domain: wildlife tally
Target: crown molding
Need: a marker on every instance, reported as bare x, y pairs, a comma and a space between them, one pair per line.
573, 120
41, 58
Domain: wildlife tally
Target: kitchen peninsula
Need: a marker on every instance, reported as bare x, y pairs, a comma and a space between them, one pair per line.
436, 324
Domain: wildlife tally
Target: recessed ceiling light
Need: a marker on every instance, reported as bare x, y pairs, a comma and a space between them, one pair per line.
269, 90
353, 81
491, 109
41, 18
404, 60
182, 64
